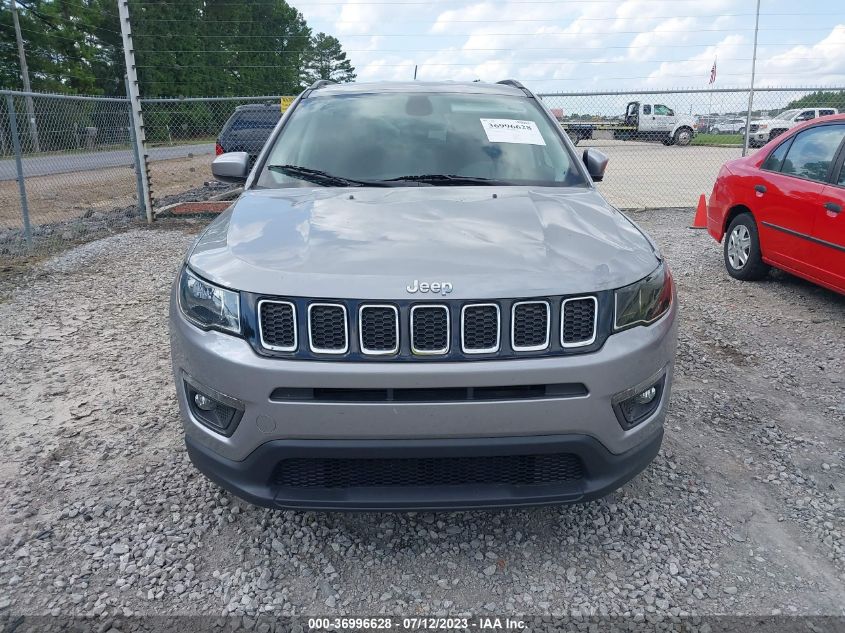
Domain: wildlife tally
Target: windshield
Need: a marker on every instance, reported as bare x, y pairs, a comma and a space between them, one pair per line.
786, 115
412, 139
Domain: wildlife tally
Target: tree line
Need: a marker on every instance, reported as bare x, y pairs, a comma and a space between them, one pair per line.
183, 48
820, 99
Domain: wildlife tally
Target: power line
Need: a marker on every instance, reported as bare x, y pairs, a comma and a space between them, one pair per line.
48, 19
581, 79
456, 50
54, 35
556, 62
429, 3
427, 35
506, 21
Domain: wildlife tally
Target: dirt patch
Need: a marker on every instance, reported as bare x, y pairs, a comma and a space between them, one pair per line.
62, 197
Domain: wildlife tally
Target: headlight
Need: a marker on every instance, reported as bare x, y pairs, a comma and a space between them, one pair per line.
207, 305
645, 301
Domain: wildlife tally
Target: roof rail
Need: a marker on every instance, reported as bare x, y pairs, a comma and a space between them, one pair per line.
512, 82
320, 83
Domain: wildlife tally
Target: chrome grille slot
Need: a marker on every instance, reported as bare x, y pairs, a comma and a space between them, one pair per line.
328, 332
480, 325
530, 322
277, 325
578, 321
429, 329
378, 329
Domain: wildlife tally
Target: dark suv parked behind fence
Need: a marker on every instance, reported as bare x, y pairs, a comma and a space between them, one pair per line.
248, 129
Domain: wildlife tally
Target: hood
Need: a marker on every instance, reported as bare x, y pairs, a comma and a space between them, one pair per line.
371, 243
770, 122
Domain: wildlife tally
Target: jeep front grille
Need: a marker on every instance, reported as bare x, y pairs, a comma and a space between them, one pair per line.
445, 330
378, 327
480, 325
578, 325
429, 329
327, 328
277, 325
530, 325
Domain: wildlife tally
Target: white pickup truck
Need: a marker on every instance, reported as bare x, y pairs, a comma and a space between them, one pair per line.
642, 122
761, 131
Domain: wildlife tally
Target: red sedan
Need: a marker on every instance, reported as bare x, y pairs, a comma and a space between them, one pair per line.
784, 206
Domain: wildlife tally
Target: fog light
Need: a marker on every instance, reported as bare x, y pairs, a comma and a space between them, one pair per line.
215, 410
646, 396
636, 405
204, 402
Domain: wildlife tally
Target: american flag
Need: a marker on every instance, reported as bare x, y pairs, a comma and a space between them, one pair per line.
713, 73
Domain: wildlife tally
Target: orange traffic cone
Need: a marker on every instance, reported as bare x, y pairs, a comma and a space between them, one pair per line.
700, 221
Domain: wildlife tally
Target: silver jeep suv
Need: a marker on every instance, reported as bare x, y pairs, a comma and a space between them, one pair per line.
421, 301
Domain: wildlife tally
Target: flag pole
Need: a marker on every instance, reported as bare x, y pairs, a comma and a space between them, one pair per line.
712, 81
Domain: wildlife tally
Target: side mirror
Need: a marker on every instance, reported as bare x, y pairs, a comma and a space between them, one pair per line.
596, 163
231, 167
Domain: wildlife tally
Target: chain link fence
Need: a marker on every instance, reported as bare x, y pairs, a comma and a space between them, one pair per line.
183, 136
666, 146
68, 164
67, 169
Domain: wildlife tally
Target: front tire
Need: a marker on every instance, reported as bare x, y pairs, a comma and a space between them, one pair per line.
743, 257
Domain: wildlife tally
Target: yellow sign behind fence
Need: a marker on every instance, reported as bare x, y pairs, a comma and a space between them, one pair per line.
286, 101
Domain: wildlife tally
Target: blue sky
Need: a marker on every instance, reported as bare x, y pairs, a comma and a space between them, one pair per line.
582, 45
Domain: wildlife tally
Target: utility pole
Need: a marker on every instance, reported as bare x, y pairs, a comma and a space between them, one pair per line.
30, 109
751, 90
137, 117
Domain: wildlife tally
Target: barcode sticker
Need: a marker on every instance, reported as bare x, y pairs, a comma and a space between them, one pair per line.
512, 131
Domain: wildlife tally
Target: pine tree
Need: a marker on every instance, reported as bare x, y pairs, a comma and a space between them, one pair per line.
189, 48
326, 60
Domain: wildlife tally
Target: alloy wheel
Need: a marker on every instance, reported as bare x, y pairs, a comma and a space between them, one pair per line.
739, 246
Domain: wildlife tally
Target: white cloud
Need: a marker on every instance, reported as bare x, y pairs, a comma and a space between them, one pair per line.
823, 62
568, 46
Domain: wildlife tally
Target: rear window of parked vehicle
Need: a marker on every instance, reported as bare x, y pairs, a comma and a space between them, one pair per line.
812, 152
384, 137
254, 119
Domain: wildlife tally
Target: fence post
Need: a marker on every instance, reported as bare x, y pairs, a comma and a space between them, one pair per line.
136, 150
751, 87
16, 144
135, 103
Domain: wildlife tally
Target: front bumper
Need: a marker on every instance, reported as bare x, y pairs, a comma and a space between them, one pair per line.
250, 478
759, 138
271, 431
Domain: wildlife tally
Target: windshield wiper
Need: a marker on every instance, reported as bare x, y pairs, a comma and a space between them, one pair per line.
320, 177
446, 179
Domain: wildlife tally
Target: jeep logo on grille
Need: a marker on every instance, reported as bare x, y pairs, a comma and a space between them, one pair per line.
443, 287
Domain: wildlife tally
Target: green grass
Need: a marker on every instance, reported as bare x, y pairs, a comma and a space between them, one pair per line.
717, 139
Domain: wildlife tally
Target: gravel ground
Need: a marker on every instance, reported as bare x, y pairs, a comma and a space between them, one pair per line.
103, 515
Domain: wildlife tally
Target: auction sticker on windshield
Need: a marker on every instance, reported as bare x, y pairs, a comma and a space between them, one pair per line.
512, 131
